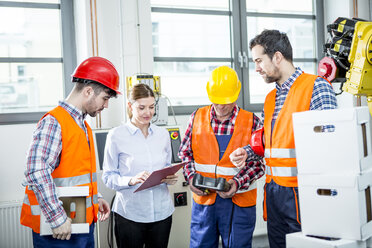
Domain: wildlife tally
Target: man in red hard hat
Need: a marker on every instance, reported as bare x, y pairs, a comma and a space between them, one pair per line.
62, 154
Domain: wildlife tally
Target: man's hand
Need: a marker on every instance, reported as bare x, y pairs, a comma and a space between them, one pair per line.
196, 190
139, 178
63, 231
238, 157
103, 209
170, 180
231, 191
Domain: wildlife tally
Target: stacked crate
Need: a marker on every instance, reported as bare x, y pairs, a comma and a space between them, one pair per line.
334, 162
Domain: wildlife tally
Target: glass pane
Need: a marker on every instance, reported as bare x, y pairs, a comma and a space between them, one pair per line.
26, 32
282, 6
29, 87
258, 88
186, 35
184, 83
193, 4
34, 1
301, 33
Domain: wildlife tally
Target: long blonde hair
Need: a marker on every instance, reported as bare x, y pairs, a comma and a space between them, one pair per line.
138, 91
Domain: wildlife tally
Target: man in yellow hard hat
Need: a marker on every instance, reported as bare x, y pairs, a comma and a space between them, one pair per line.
213, 133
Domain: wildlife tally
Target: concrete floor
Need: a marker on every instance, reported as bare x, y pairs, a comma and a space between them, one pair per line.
258, 242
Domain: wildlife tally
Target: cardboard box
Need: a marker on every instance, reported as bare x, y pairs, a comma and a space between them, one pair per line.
299, 240
74, 203
337, 206
346, 149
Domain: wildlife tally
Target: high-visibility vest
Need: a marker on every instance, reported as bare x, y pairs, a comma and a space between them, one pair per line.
206, 154
77, 167
280, 153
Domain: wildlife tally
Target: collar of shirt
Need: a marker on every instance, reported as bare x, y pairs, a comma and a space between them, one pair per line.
133, 129
288, 83
231, 119
76, 113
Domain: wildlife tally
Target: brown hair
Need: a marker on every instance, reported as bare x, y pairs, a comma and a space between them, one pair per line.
138, 91
96, 86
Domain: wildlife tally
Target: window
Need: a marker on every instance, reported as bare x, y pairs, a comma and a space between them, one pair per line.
34, 57
189, 41
191, 38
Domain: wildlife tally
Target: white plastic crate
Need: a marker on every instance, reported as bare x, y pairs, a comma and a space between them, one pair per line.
345, 150
337, 206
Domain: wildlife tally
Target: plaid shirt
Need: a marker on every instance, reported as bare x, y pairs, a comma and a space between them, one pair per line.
323, 97
43, 158
251, 172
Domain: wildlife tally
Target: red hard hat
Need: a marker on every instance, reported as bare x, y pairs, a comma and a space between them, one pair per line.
100, 70
258, 142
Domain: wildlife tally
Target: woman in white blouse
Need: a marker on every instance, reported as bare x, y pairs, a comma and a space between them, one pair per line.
133, 150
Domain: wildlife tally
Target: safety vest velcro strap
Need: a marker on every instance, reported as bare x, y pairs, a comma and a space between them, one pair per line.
211, 168
251, 187
281, 171
74, 181
280, 153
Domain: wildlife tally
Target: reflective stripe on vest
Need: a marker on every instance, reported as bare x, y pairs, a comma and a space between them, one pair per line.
281, 171
280, 153
228, 171
74, 181
35, 209
212, 168
89, 201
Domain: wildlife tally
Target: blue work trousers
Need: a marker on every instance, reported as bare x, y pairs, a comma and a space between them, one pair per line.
85, 240
283, 213
234, 224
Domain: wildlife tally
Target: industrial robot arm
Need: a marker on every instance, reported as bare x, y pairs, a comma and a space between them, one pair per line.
349, 56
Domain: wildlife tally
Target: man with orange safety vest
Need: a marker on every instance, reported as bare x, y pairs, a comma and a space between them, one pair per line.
213, 133
62, 154
295, 91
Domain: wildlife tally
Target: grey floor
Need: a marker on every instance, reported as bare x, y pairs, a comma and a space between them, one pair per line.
258, 242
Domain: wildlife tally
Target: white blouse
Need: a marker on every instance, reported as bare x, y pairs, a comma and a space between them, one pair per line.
127, 153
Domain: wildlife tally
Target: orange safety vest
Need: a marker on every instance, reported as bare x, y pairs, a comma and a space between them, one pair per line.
77, 168
206, 154
280, 153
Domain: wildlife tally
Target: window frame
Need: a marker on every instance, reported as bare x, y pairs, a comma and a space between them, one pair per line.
68, 58
238, 30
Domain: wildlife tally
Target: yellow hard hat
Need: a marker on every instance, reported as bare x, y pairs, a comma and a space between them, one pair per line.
223, 86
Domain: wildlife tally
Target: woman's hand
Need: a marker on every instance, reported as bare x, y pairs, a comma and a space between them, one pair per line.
170, 180
139, 178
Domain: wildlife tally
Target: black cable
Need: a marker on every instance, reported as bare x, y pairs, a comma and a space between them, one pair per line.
110, 232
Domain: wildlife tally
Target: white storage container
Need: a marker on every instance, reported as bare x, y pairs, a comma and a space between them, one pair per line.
68, 195
299, 240
346, 149
337, 206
